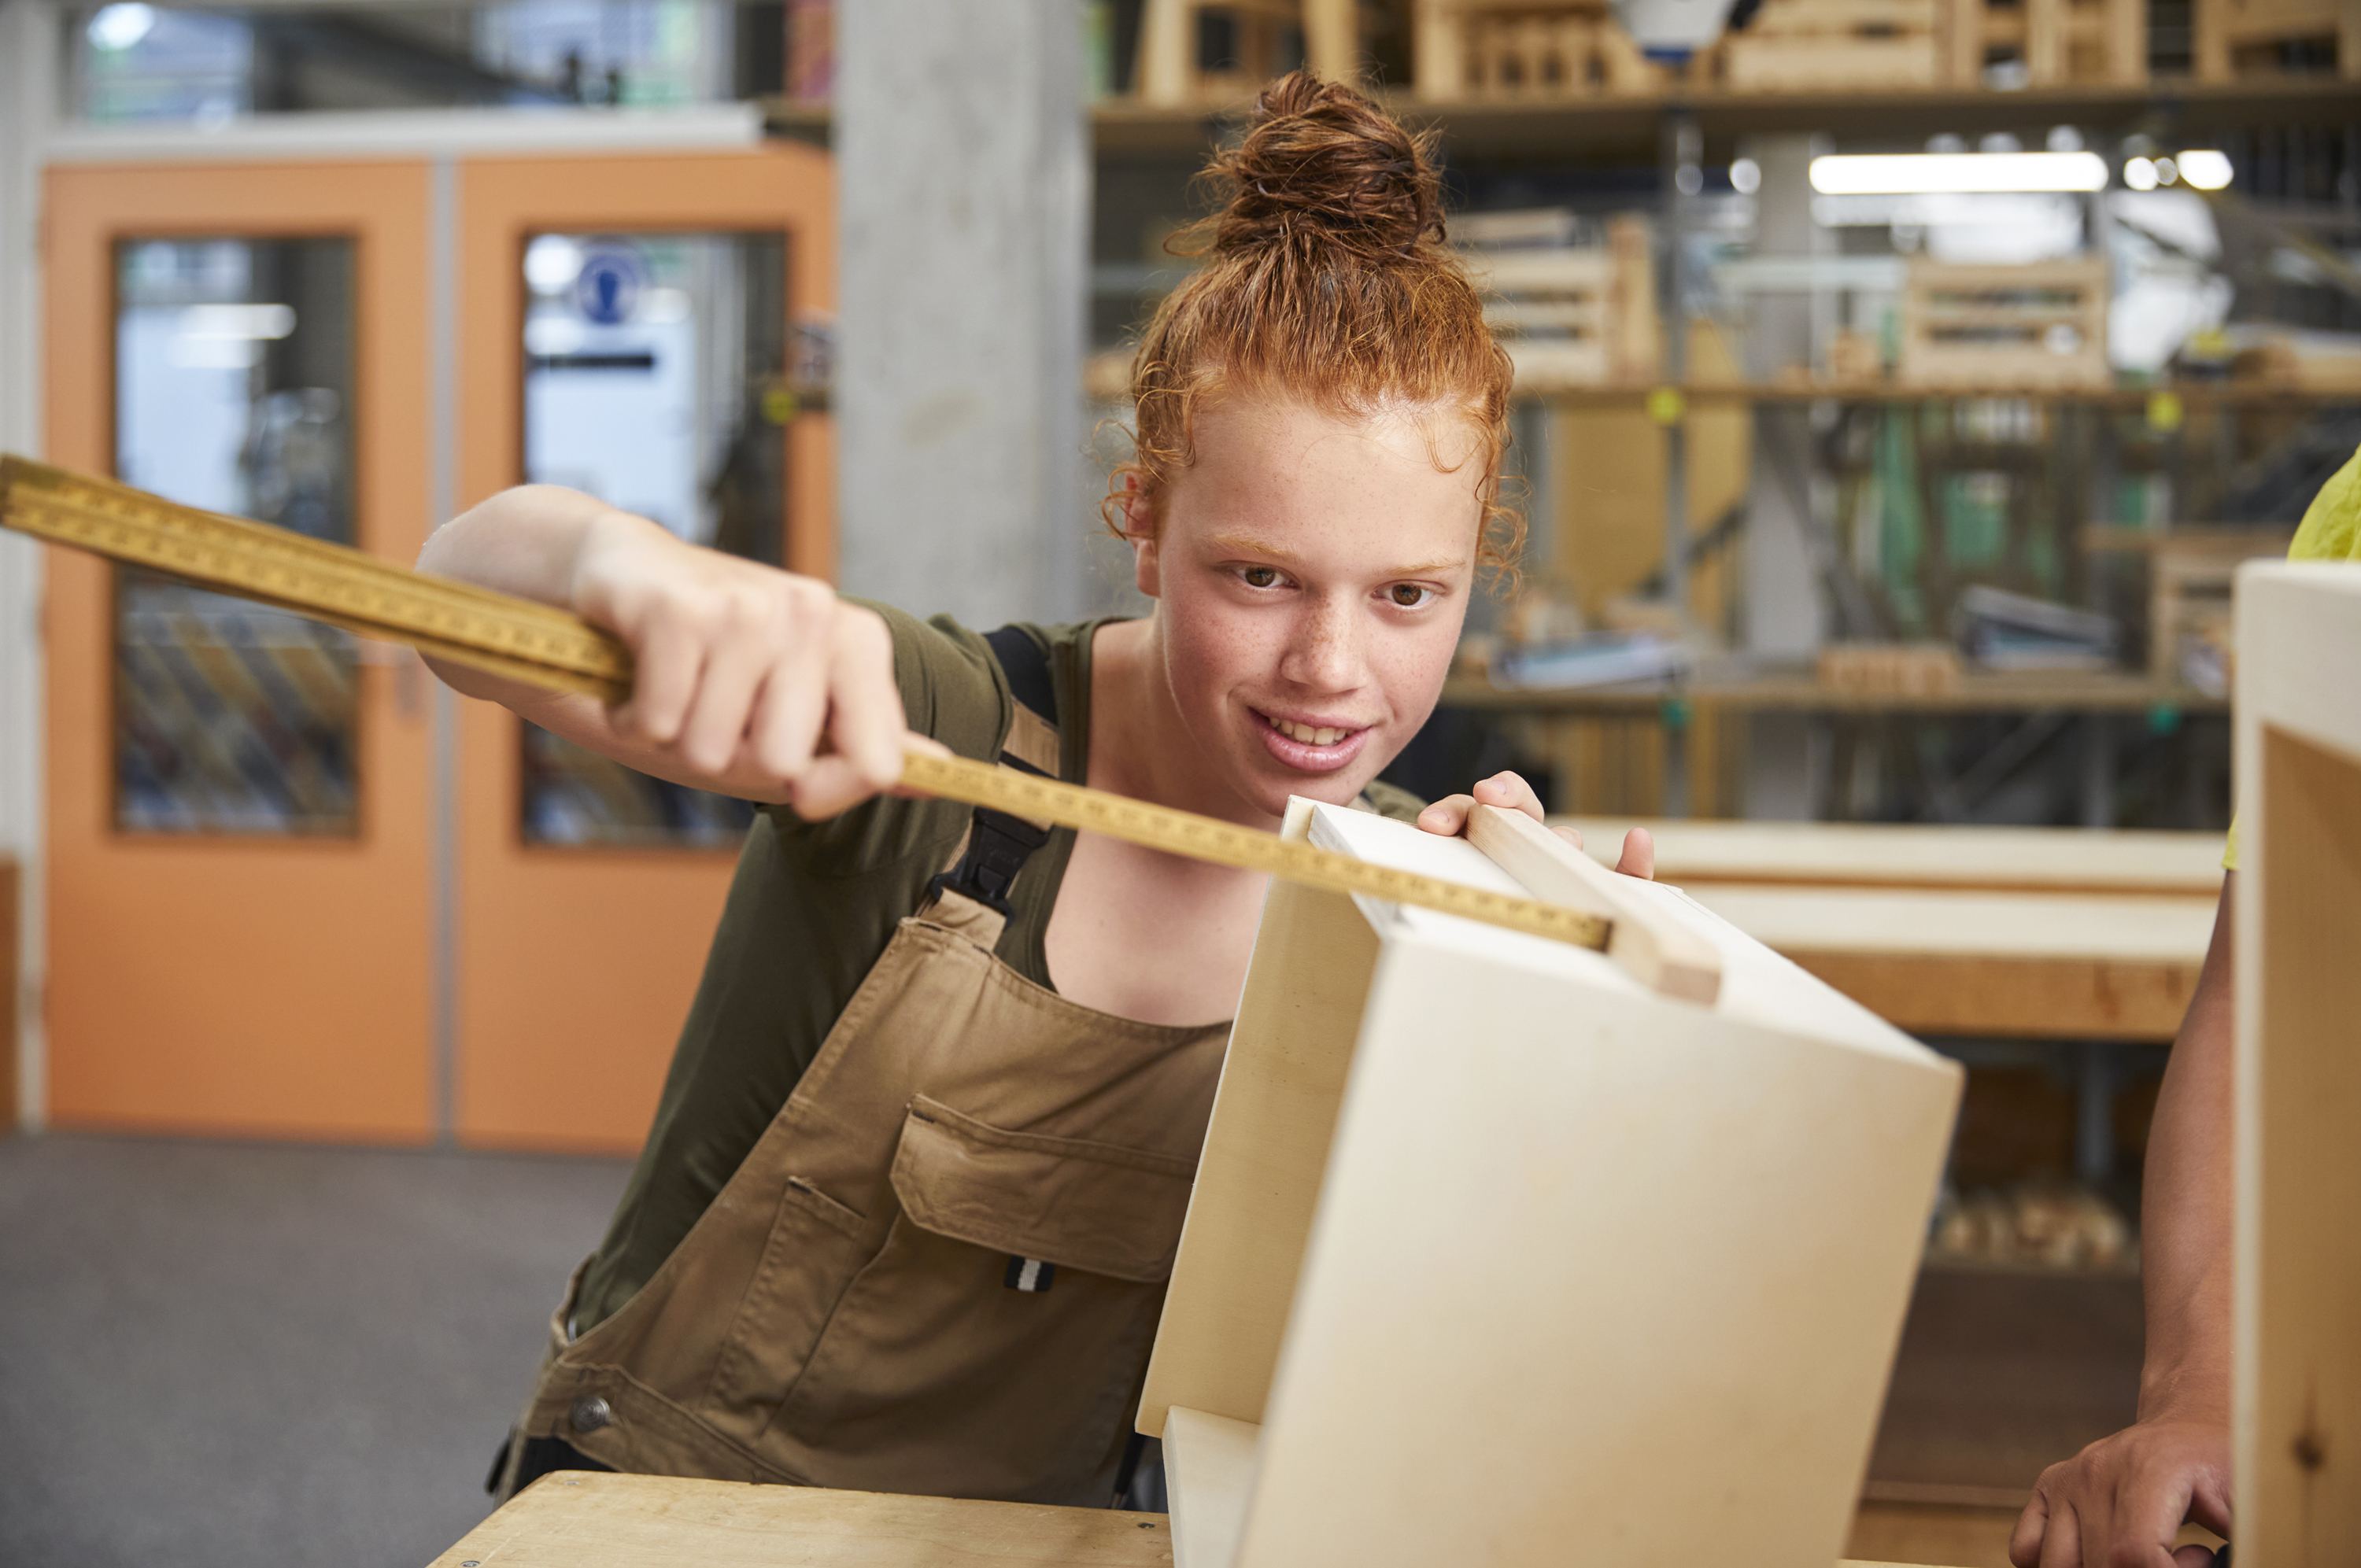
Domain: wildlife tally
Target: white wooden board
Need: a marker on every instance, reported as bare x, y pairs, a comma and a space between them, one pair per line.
1586, 1263
2297, 1272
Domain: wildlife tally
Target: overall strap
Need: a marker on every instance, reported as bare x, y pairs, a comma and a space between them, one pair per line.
998, 844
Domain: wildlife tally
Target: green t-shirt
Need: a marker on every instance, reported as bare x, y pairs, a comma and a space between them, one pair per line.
810, 911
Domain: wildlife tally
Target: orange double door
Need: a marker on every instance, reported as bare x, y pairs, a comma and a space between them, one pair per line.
296, 889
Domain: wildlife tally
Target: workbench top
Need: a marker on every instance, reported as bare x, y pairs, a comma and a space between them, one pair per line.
1862, 854
593, 1520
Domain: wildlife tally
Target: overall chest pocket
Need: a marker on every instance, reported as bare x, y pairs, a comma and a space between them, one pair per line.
979, 1376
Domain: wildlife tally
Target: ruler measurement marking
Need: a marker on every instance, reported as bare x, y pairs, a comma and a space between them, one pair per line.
549, 647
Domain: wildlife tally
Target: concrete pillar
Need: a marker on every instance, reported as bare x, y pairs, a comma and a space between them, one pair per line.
964, 172
1785, 613
28, 88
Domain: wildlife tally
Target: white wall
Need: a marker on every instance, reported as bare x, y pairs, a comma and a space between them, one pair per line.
27, 87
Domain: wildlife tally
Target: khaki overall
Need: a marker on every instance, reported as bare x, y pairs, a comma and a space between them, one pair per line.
939, 1270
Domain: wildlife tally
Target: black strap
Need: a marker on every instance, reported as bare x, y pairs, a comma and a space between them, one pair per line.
999, 845
1027, 665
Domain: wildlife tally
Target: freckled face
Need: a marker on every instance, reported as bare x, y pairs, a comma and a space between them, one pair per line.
1310, 575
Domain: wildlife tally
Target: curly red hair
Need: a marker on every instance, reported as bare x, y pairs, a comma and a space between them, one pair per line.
1326, 281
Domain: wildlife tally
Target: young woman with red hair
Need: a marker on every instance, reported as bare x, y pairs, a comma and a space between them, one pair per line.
919, 1166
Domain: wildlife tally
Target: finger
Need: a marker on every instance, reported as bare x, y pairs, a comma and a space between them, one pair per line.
785, 729
830, 786
1509, 792
665, 665
2061, 1543
865, 722
1571, 835
2145, 1517
718, 714
2024, 1541
1639, 857
2193, 1557
1447, 816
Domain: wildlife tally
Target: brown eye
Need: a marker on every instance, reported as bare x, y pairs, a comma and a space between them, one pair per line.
1261, 577
1409, 596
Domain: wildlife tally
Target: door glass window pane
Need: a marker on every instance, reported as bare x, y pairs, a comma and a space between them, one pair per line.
234, 376
130, 59
656, 378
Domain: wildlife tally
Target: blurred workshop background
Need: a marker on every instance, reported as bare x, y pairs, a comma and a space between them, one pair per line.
1900, 382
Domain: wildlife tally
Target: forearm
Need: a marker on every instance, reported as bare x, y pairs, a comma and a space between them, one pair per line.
528, 542
2186, 1206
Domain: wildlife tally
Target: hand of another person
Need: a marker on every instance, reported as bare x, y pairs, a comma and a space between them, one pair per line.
1448, 817
2120, 1502
745, 673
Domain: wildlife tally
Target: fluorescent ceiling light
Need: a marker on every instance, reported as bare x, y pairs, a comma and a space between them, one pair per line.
2205, 169
1910, 173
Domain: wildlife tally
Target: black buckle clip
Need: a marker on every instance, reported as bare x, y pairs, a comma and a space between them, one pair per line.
998, 847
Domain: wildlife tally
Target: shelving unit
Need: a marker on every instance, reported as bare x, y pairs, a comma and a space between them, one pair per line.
1589, 129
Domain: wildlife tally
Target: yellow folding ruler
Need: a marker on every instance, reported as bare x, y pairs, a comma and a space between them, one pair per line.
549, 647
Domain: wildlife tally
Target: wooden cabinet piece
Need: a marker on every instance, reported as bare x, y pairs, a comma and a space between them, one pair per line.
2297, 1274
1497, 1252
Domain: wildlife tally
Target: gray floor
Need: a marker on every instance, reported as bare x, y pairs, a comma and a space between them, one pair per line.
219, 1354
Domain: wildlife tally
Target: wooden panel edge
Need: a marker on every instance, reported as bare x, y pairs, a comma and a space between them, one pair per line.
1660, 953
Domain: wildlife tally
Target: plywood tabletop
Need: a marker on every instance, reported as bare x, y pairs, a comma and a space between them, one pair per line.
594, 1520
1841, 854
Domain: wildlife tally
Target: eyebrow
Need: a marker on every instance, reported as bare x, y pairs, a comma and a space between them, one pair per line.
1248, 544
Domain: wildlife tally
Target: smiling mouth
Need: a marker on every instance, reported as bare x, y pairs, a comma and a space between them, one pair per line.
1310, 734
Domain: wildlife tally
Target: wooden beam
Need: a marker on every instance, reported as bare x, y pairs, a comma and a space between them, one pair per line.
1332, 40
2296, 1286
1164, 53
1658, 953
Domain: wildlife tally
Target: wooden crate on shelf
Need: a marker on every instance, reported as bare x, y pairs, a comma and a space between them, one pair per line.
2189, 575
1198, 51
1491, 50
2239, 37
2038, 325
1575, 316
1819, 45
1911, 669
2058, 42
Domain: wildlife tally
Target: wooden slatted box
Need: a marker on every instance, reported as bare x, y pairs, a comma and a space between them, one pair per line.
2038, 325
1819, 45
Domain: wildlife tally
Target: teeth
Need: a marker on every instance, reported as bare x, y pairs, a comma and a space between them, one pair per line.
1307, 733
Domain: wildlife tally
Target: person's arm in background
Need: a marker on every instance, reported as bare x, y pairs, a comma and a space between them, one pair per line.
2123, 1499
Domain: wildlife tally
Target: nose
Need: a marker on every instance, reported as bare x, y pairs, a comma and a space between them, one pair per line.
1325, 651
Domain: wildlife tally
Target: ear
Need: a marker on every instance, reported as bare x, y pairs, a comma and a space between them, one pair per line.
1145, 572
1139, 528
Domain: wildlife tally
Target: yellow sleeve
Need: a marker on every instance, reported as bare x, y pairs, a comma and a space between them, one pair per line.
2331, 529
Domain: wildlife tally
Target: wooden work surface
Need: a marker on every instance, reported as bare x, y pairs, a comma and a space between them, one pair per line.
593, 1520
1854, 854
2032, 965
2028, 932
